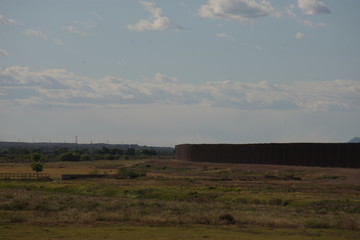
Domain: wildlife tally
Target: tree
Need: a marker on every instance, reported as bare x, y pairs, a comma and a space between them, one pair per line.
36, 157
130, 151
36, 165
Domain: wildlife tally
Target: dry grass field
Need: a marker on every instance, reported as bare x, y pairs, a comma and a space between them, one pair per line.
168, 199
56, 169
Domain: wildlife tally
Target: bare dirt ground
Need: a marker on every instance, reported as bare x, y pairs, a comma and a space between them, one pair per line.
349, 176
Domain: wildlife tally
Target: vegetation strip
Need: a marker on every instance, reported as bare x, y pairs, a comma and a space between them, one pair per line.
175, 195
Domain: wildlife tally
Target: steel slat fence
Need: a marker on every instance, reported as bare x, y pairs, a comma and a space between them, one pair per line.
345, 155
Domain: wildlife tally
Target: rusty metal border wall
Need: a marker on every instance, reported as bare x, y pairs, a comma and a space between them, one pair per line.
346, 155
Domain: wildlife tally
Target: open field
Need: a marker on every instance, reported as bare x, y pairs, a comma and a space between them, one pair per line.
56, 169
181, 200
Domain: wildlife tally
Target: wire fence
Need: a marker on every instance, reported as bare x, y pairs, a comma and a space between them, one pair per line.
23, 176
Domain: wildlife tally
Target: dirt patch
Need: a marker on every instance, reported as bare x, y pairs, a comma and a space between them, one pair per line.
320, 175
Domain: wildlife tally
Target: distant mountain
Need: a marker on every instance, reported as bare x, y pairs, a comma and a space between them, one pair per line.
355, 140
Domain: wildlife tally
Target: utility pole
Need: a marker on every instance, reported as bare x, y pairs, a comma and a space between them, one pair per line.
76, 139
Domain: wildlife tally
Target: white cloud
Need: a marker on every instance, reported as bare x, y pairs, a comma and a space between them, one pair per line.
286, 11
82, 28
60, 87
313, 7
290, 11
299, 35
88, 24
58, 42
75, 30
40, 34
157, 21
308, 23
98, 17
243, 10
4, 20
36, 33
3, 53
224, 35
122, 62
161, 78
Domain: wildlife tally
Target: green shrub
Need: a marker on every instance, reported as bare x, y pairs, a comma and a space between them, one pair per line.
317, 224
336, 206
109, 156
348, 223
279, 202
16, 205
227, 219
95, 172
85, 157
124, 173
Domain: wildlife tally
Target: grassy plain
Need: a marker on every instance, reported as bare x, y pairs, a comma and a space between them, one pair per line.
181, 200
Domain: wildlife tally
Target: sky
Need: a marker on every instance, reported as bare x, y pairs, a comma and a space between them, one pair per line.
162, 72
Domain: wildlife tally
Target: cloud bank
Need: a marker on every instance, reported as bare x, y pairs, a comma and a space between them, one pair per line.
243, 10
313, 7
248, 10
24, 86
4, 20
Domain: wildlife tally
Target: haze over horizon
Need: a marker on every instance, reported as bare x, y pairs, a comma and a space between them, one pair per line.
163, 73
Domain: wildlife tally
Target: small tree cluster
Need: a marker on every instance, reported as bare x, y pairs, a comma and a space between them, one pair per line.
70, 157
149, 152
36, 165
87, 153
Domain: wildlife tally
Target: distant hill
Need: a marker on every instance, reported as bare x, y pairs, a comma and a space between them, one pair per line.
355, 140
73, 146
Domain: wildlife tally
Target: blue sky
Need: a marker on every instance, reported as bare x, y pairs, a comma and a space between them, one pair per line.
167, 72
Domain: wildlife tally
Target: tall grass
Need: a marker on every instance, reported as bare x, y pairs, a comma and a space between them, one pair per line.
182, 195
53, 208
